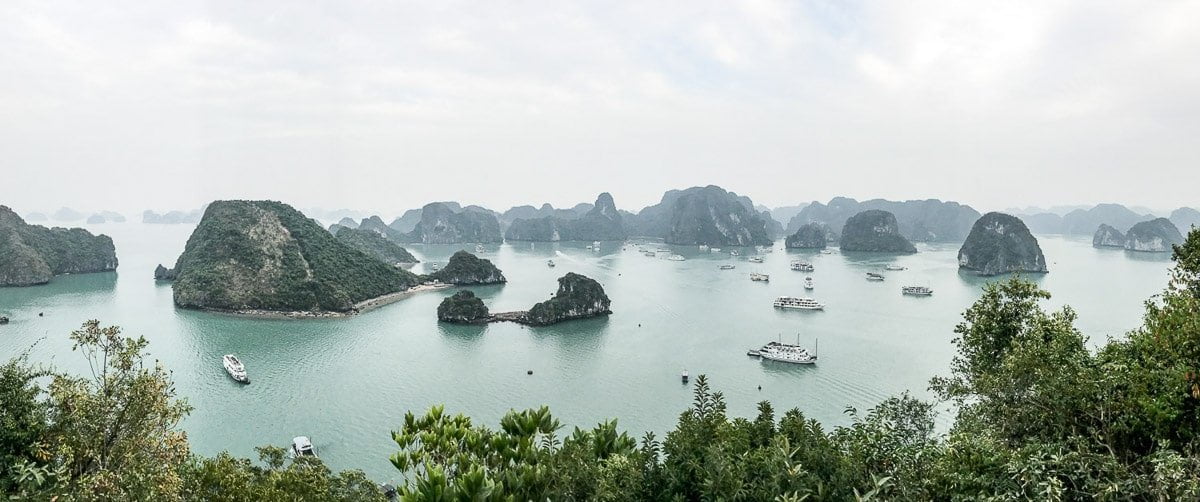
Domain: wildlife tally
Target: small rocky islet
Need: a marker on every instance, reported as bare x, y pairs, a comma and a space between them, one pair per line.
874, 231
1159, 235
577, 297
1000, 244
811, 235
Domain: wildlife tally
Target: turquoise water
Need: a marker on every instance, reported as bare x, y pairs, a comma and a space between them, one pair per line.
348, 382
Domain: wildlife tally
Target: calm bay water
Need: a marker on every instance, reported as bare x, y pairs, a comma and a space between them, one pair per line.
347, 382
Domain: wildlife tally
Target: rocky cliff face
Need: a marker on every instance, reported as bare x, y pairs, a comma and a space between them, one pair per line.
1154, 236
929, 220
467, 269
875, 231
1108, 237
32, 254
374, 244
1000, 244
265, 255
602, 222
809, 236
577, 297
702, 215
463, 307
442, 225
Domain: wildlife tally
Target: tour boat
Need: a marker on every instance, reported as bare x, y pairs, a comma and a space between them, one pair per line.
651, 254
676, 257
550, 263
714, 250
894, 267
595, 245
826, 251
726, 267
916, 290
734, 252
479, 249
684, 376
872, 276
235, 368
755, 276
808, 283
704, 247
788, 353
435, 266
802, 266
791, 302
302, 447
756, 259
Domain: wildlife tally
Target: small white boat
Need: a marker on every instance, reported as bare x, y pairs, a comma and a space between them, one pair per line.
808, 283
894, 267
734, 252
595, 245
479, 249
550, 263
755, 276
435, 266
302, 447
802, 266
714, 250
873, 276
684, 376
916, 291
651, 254
726, 267
235, 368
676, 257
703, 247
792, 302
756, 259
826, 251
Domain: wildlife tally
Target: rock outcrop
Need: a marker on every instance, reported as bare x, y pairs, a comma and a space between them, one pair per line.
440, 224
463, 307
602, 222
999, 244
267, 256
577, 297
874, 231
1108, 237
376, 245
467, 269
1155, 236
702, 215
929, 220
809, 236
172, 217
162, 273
33, 254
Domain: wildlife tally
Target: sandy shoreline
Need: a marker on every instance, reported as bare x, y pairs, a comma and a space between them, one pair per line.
360, 307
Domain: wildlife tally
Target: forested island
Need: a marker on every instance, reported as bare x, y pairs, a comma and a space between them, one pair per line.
265, 256
874, 231
999, 244
33, 254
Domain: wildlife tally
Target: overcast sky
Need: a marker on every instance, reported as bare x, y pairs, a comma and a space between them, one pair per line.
388, 105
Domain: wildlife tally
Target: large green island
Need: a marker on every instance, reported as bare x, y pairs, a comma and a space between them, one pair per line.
33, 254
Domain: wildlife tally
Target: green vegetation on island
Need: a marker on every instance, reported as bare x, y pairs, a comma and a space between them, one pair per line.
462, 307
602, 222
809, 236
874, 231
1038, 416
1154, 236
375, 244
466, 269
577, 297
1108, 237
267, 256
441, 224
33, 254
999, 244
707, 215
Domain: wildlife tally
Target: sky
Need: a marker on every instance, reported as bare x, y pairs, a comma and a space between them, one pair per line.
385, 106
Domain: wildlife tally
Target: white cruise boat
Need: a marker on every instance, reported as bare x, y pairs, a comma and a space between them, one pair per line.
302, 447
791, 302
808, 283
550, 263
826, 251
756, 259
703, 247
734, 252
651, 254
802, 266
479, 249
235, 368
714, 250
787, 353
872, 276
595, 245
895, 267
726, 267
916, 290
755, 276
676, 257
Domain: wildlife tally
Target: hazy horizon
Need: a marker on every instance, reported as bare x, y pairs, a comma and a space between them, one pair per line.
128, 106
